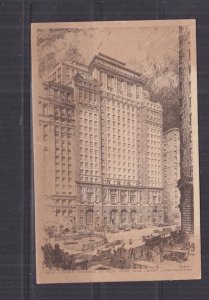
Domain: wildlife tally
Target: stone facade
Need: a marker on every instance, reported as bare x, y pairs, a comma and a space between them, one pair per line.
171, 176
186, 162
104, 141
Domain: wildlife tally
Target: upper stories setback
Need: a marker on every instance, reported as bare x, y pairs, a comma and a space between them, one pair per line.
121, 85
106, 131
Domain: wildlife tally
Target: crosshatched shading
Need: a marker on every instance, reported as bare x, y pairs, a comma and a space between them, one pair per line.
115, 139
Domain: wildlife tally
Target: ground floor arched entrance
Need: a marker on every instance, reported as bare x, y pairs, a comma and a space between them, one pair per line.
89, 218
124, 216
113, 217
133, 217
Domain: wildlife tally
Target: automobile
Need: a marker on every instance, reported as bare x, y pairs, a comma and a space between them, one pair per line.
116, 242
157, 232
141, 264
127, 228
121, 227
81, 232
178, 228
140, 226
160, 225
166, 230
176, 255
113, 230
146, 238
86, 232
80, 264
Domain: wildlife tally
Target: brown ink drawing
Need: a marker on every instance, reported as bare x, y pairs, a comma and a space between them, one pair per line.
115, 151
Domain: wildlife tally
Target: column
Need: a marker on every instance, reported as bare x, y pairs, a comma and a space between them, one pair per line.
105, 81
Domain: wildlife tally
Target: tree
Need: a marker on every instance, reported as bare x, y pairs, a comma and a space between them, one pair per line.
50, 231
53, 46
162, 81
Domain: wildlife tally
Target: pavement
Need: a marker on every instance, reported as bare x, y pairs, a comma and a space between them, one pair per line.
135, 235
131, 239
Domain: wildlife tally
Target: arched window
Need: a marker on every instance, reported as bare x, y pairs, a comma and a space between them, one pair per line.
89, 217
123, 216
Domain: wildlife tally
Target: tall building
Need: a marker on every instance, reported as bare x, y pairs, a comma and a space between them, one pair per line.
171, 174
56, 110
186, 180
108, 136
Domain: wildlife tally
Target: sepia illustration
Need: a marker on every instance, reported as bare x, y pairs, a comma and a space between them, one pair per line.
115, 143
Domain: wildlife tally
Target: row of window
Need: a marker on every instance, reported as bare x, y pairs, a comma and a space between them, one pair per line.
122, 176
126, 143
62, 190
116, 104
120, 151
152, 181
63, 113
71, 72
113, 137
123, 181
87, 129
115, 129
59, 94
89, 161
88, 122
88, 97
89, 172
63, 202
87, 114
154, 137
124, 124
125, 133
151, 143
63, 131
88, 138
89, 179
121, 114
112, 145
153, 172
89, 166
154, 154
90, 143
91, 151
112, 83
152, 161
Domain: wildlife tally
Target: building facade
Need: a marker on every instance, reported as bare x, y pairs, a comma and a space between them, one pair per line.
186, 180
171, 174
104, 143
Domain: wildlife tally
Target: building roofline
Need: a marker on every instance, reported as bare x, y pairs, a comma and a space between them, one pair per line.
68, 61
111, 58
114, 62
51, 70
58, 85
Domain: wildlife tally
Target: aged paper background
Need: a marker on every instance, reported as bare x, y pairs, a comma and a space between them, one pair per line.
115, 140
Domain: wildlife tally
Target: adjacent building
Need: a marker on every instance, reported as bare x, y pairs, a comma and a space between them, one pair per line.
102, 145
186, 161
171, 165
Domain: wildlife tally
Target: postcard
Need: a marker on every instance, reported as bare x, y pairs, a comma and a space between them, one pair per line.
115, 147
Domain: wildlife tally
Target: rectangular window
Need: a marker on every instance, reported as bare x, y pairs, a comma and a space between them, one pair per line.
119, 85
80, 93
102, 78
110, 80
129, 89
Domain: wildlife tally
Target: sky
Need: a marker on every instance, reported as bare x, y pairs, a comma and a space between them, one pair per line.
130, 45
